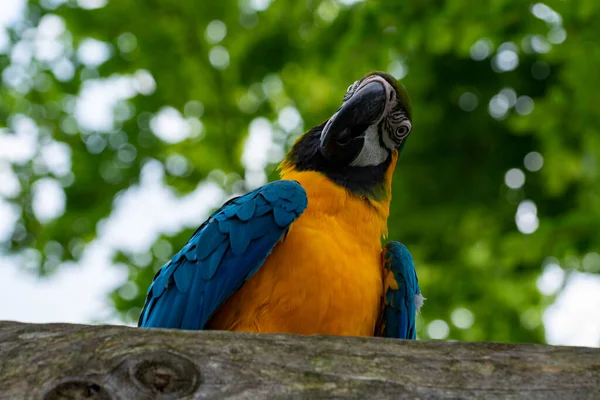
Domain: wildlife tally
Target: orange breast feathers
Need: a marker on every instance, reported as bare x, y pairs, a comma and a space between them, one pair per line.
325, 276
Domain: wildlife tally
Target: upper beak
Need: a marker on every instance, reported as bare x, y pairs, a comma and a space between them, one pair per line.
342, 136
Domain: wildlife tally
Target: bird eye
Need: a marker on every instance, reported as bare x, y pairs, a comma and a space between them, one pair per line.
402, 130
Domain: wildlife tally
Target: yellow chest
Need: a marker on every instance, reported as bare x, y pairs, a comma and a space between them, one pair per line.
324, 277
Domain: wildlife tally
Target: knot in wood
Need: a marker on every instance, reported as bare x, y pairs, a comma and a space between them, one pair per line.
166, 375
77, 389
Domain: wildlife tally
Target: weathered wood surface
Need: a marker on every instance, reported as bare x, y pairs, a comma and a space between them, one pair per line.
56, 361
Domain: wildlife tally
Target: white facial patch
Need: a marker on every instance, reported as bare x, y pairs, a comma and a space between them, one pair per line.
372, 153
387, 140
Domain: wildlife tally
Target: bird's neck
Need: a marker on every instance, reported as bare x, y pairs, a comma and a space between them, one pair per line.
327, 198
367, 181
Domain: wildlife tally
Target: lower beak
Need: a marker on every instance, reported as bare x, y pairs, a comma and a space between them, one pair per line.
343, 135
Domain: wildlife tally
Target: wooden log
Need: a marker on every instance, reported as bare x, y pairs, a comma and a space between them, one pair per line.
64, 361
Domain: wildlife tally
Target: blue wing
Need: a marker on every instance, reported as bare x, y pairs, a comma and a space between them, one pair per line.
402, 293
222, 254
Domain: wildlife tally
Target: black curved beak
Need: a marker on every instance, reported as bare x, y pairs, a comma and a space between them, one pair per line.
343, 135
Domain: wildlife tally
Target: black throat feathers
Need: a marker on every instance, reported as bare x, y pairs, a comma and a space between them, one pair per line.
366, 181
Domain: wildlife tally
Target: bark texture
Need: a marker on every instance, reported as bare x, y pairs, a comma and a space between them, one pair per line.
63, 361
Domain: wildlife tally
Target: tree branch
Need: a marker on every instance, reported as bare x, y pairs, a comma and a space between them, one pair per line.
54, 361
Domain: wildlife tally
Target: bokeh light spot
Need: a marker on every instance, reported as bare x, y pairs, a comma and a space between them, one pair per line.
162, 249
260, 5
15, 76
557, 36
539, 44
514, 178
248, 20
196, 128
51, 26
505, 60
92, 52
177, 165
591, 262
524, 105
142, 259
215, 31
438, 329
169, 125
63, 70
32, 259
69, 126
127, 42
551, 280
481, 49
219, 57
127, 153
9, 214
57, 158
76, 247
289, 118
272, 85
468, 101
193, 108
49, 200
545, 13
526, 217
95, 143
144, 82
128, 291
398, 69
260, 134
328, 10
92, 4
498, 106
510, 95
248, 102
53, 249
533, 161
540, 70
462, 318
10, 187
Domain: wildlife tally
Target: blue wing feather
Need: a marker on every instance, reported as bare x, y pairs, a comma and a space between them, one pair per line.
246, 211
221, 255
401, 303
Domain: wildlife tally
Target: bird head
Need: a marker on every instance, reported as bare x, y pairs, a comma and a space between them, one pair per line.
355, 146
373, 121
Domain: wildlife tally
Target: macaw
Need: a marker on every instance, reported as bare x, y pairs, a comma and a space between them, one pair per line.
303, 255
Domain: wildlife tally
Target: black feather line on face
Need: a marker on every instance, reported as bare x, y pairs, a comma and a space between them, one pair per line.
380, 134
363, 181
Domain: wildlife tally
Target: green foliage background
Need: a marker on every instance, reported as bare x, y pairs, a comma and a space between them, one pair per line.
451, 205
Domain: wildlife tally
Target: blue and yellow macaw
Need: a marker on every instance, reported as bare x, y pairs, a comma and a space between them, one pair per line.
303, 254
